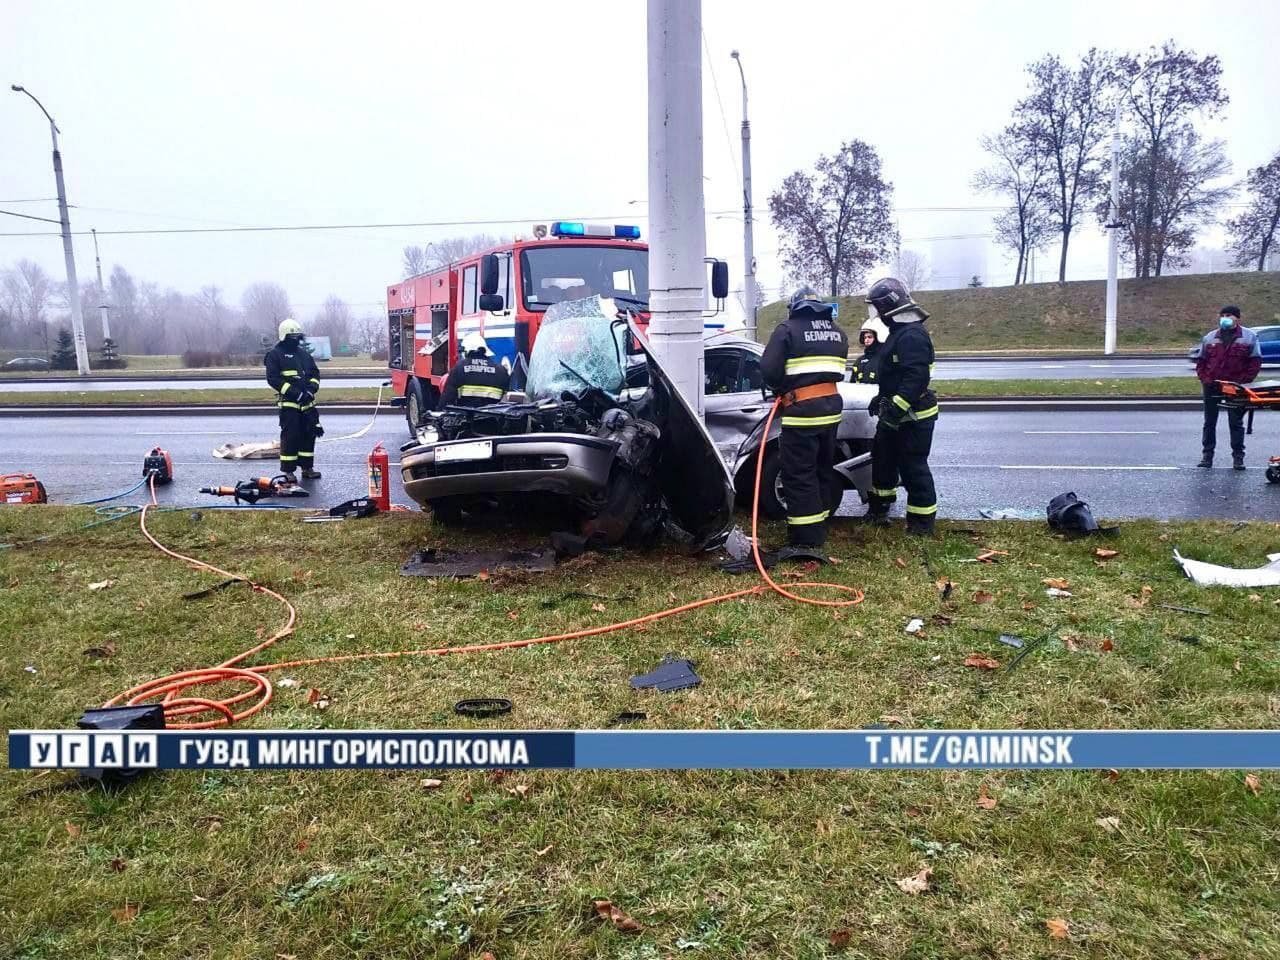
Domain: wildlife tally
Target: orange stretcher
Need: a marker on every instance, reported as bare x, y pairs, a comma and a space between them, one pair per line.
1253, 397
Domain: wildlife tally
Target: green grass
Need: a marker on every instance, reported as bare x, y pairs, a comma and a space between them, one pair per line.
715, 865
1132, 387
1167, 313
204, 397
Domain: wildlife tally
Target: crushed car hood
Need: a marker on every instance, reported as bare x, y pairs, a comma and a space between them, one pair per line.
691, 475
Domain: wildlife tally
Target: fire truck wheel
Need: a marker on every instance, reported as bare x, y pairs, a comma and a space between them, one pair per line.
415, 406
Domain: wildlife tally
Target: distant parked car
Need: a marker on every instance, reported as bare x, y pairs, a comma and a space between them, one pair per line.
1268, 343
27, 363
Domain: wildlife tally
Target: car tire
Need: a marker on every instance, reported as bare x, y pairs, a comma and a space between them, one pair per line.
772, 502
1273, 474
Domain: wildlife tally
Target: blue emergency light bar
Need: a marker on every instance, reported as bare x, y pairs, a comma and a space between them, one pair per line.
574, 228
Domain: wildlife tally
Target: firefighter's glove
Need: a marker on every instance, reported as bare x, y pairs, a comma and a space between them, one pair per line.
318, 430
892, 415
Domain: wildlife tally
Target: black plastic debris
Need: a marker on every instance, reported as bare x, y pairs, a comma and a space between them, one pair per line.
434, 562
628, 716
1190, 640
482, 707
1196, 610
772, 558
1070, 514
671, 674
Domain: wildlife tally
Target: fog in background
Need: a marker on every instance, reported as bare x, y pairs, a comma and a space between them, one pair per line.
186, 115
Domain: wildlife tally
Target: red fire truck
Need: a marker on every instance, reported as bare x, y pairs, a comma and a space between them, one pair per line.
502, 294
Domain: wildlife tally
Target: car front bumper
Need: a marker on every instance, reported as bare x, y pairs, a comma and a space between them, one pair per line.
567, 464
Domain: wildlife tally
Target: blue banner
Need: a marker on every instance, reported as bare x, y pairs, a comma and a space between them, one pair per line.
646, 749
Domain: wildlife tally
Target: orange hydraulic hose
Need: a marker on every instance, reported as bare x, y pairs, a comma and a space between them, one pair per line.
173, 690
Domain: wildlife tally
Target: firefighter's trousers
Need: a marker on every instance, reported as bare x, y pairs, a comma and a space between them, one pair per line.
900, 457
297, 439
808, 455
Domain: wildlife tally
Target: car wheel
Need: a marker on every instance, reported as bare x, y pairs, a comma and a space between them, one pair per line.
1273, 474
773, 502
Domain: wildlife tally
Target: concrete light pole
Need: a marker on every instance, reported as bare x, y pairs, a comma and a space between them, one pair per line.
102, 291
1113, 240
73, 288
678, 237
748, 241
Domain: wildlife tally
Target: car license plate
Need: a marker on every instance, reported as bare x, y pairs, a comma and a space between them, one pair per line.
470, 450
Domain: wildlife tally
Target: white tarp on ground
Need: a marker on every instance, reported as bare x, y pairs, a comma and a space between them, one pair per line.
1213, 575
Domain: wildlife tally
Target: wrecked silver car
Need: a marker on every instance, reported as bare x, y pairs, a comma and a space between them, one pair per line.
626, 462
735, 406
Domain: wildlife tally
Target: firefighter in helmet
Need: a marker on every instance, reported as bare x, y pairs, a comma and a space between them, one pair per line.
907, 410
803, 361
866, 369
294, 377
475, 380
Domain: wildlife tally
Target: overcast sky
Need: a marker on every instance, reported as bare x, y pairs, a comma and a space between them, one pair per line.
190, 115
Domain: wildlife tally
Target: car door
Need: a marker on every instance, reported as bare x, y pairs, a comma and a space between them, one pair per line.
1269, 344
733, 403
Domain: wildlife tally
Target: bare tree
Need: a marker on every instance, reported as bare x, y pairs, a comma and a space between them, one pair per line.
1163, 89
1253, 233
265, 305
122, 295
1068, 110
1021, 172
333, 321
911, 268
27, 292
211, 315
1188, 195
369, 332
413, 261
835, 223
441, 253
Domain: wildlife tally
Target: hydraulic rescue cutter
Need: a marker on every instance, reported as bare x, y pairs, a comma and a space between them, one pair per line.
259, 488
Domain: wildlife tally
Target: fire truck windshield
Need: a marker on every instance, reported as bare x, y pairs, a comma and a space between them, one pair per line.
552, 274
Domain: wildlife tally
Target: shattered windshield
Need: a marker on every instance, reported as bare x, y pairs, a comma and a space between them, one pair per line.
579, 345
553, 274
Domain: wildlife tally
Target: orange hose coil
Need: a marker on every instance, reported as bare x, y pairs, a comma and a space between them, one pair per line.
174, 689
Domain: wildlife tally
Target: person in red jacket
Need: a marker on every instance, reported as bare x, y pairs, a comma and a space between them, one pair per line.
1229, 353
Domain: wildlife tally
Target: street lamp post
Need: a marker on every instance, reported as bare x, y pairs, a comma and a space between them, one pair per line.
748, 241
73, 288
1113, 240
102, 291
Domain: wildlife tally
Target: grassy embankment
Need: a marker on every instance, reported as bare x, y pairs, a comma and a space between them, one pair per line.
1167, 313
716, 865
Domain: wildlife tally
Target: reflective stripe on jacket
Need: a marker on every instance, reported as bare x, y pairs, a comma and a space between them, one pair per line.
806, 349
906, 367
293, 374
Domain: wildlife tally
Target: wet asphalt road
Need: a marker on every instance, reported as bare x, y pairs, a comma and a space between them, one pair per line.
1126, 368
1124, 463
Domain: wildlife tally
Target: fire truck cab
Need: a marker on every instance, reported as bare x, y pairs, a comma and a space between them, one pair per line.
502, 294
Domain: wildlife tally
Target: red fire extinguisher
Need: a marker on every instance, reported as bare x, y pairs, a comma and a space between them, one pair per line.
379, 487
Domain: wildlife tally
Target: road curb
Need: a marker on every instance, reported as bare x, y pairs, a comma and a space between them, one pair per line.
972, 404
